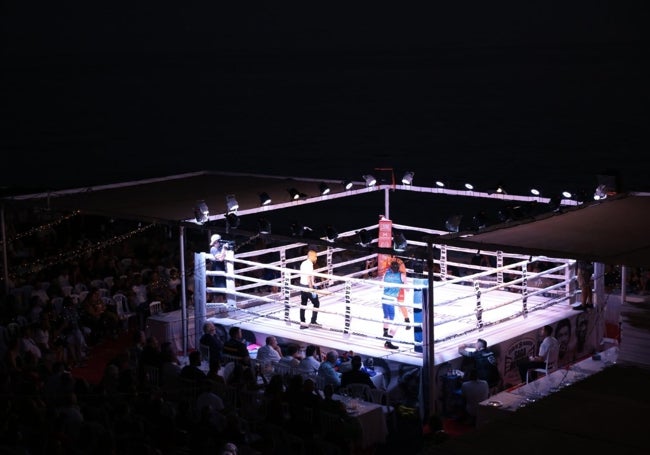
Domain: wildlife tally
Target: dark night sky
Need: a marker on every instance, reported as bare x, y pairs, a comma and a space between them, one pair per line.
553, 94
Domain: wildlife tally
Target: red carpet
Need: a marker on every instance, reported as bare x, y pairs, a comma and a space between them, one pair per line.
100, 355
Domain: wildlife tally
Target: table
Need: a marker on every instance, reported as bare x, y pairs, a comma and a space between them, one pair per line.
370, 417
506, 402
169, 327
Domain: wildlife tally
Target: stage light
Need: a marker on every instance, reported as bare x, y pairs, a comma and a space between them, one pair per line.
555, 203
331, 233
324, 189
264, 226
265, 199
567, 194
347, 184
232, 220
370, 180
469, 186
407, 179
480, 220
399, 242
201, 212
364, 237
232, 203
453, 223
535, 192
299, 230
440, 184
294, 194
601, 192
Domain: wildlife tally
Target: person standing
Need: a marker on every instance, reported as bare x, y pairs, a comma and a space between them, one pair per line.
585, 271
218, 256
214, 344
400, 296
388, 301
307, 281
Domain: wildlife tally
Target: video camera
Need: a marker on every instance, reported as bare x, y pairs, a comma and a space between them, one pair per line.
227, 244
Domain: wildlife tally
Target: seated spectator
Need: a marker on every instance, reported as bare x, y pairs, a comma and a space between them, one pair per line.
327, 370
474, 390
270, 352
193, 370
292, 358
356, 375
235, 347
311, 362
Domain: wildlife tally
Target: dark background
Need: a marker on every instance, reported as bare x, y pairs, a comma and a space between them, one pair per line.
548, 95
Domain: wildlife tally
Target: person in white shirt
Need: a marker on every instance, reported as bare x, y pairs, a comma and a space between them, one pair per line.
292, 358
474, 391
270, 352
307, 281
311, 362
548, 345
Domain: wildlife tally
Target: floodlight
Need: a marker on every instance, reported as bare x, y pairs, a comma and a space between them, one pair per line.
265, 199
535, 192
264, 226
331, 232
347, 184
407, 179
567, 194
469, 186
364, 237
324, 188
601, 192
201, 212
399, 242
232, 220
453, 223
440, 184
232, 203
370, 180
294, 193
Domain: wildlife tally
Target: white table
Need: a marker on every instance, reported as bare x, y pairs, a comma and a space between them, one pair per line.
370, 417
506, 402
169, 327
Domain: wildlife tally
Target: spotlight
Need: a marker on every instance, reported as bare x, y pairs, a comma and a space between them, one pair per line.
299, 230
324, 189
480, 220
331, 233
294, 193
555, 203
264, 226
347, 184
265, 199
535, 192
232, 203
399, 242
370, 180
601, 192
567, 194
440, 184
469, 186
232, 220
364, 238
499, 189
201, 212
407, 179
453, 223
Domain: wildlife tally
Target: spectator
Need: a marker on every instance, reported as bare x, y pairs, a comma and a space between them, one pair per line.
356, 375
327, 370
214, 344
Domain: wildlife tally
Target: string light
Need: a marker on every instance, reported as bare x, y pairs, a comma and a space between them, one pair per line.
43, 227
68, 256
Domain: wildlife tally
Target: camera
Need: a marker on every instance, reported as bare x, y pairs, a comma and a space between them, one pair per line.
228, 244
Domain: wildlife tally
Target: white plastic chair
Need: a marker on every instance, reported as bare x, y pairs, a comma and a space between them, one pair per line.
124, 313
550, 364
155, 307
